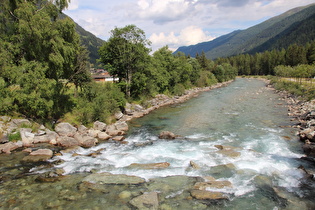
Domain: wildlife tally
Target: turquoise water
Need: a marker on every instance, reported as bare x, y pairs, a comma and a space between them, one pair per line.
260, 159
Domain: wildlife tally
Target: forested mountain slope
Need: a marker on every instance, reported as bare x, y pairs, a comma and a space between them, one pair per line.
295, 25
89, 40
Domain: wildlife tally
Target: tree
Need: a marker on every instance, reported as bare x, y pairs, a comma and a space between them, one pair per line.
126, 51
39, 56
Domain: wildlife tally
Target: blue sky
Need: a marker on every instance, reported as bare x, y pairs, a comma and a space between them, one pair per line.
176, 22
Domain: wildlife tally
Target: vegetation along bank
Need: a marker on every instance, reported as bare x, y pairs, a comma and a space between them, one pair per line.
45, 76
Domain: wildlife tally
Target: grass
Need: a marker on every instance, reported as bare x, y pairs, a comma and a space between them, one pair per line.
304, 88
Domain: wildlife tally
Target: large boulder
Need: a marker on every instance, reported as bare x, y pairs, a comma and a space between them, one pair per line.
38, 155
65, 129
85, 140
309, 148
147, 201
167, 135
27, 136
122, 126
49, 137
10, 146
103, 136
46, 152
99, 126
150, 165
21, 122
207, 195
112, 131
66, 141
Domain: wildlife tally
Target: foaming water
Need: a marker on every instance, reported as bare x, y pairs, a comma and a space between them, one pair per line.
243, 117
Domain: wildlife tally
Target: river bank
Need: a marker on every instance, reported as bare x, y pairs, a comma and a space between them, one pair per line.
230, 155
27, 134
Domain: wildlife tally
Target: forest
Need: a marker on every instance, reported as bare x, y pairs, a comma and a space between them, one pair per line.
45, 76
45, 70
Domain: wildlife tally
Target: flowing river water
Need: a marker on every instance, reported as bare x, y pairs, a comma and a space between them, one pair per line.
237, 133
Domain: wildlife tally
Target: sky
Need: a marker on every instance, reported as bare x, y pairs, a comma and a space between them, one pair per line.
176, 22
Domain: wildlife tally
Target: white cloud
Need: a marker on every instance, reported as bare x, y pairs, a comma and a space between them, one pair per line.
188, 36
176, 22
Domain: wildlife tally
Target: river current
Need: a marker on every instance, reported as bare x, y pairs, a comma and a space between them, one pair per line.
237, 133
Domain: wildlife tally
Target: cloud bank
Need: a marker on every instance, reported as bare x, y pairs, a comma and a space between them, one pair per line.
176, 22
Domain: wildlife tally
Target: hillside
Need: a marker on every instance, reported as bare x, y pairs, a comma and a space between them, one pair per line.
293, 26
89, 40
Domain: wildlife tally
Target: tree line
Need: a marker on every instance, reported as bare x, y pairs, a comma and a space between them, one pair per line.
44, 69
264, 63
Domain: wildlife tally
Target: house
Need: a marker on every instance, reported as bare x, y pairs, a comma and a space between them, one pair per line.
103, 76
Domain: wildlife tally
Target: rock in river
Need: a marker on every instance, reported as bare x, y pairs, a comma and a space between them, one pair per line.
146, 201
107, 178
167, 135
150, 165
207, 195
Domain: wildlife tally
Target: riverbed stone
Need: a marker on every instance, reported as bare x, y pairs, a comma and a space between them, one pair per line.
213, 184
27, 136
66, 141
103, 136
150, 165
65, 129
118, 138
99, 126
122, 126
147, 201
118, 179
208, 195
167, 135
10, 146
38, 155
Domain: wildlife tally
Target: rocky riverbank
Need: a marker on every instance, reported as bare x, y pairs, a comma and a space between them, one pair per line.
27, 134
303, 117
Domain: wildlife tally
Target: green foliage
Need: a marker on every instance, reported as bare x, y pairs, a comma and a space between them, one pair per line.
179, 89
39, 55
126, 53
15, 136
98, 102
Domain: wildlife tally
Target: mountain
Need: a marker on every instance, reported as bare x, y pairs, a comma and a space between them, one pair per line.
89, 40
294, 26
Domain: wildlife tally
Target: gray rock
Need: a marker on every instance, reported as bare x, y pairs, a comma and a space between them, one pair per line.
44, 152
66, 141
27, 137
65, 129
122, 126
146, 201
99, 126
82, 129
167, 135
10, 146
119, 179
119, 115
103, 136
21, 122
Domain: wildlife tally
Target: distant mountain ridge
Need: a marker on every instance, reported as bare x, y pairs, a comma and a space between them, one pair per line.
294, 26
89, 40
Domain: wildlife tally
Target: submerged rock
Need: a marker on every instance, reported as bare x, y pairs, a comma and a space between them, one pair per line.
10, 146
207, 195
167, 135
148, 201
107, 178
213, 184
150, 165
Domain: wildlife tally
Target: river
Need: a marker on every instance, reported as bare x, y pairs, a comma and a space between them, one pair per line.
237, 133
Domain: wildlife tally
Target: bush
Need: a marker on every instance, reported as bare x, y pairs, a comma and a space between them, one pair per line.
97, 102
179, 89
